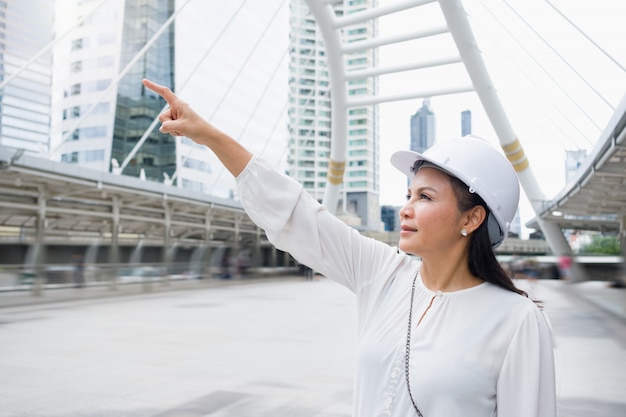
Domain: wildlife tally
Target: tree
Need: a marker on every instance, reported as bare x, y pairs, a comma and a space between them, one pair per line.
602, 245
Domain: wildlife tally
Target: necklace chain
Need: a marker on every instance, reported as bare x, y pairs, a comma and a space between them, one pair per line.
407, 355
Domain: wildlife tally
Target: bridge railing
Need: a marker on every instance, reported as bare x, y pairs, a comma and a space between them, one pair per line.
40, 278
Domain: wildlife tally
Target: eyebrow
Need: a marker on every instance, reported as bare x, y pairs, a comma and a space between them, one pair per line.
422, 189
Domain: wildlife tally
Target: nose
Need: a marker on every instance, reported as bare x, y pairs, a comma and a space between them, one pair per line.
406, 211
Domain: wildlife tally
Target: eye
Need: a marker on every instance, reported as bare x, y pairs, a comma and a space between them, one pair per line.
425, 197
408, 197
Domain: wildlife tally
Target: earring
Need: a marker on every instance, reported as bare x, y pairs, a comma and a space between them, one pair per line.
464, 232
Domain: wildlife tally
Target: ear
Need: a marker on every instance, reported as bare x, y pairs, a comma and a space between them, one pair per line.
474, 217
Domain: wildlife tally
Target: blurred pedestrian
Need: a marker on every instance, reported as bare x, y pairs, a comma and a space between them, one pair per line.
446, 335
565, 265
243, 264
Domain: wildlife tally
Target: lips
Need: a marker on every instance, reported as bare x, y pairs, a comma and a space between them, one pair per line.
408, 229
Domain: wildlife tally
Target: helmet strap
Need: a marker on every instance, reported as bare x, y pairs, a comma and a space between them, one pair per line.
495, 234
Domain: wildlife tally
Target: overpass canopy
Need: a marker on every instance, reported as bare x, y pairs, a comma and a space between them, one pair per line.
80, 204
595, 198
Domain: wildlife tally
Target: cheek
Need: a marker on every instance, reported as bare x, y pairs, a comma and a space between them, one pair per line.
433, 214
427, 214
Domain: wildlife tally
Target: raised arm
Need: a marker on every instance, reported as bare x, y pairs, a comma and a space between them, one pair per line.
181, 120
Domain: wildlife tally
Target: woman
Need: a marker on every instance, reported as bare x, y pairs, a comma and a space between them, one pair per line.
447, 336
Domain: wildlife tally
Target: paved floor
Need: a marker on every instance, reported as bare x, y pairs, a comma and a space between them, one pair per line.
267, 348
590, 346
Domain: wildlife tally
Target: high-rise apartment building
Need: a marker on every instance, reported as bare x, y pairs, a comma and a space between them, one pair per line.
26, 29
310, 115
99, 116
423, 128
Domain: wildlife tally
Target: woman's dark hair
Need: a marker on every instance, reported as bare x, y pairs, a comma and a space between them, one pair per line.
482, 260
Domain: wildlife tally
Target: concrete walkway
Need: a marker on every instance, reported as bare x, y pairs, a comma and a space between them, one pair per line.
602, 295
282, 348
253, 348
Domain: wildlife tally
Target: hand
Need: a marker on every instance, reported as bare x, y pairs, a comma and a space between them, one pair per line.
180, 119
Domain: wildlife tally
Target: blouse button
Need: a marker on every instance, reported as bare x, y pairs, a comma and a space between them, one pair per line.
439, 293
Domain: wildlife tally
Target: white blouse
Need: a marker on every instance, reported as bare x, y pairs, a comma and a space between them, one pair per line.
479, 352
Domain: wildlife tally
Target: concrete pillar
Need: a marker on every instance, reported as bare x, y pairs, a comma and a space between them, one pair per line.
236, 251
39, 247
114, 254
273, 256
560, 247
256, 249
206, 261
622, 244
166, 257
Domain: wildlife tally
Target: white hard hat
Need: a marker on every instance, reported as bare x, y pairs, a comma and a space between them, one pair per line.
482, 168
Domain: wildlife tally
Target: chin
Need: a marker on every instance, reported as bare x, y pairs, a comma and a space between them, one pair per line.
404, 247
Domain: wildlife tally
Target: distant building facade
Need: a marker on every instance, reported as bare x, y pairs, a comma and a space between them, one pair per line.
26, 28
423, 128
310, 116
466, 122
390, 218
97, 120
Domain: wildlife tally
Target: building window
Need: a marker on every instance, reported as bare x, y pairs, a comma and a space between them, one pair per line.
102, 84
96, 155
357, 92
70, 158
361, 31
77, 44
357, 132
76, 66
193, 185
93, 132
104, 61
358, 61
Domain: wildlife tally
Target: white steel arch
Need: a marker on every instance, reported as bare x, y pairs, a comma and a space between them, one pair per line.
458, 26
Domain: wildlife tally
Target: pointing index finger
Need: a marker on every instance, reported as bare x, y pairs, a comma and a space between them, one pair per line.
163, 91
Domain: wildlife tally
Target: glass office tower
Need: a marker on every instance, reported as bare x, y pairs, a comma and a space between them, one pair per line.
100, 116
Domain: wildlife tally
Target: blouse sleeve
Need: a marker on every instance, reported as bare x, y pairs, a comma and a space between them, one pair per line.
526, 385
296, 223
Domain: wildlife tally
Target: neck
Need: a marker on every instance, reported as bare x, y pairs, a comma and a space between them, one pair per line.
448, 275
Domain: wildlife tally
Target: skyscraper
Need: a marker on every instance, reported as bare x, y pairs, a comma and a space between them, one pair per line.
99, 118
466, 122
26, 28
423, 128
310, 115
